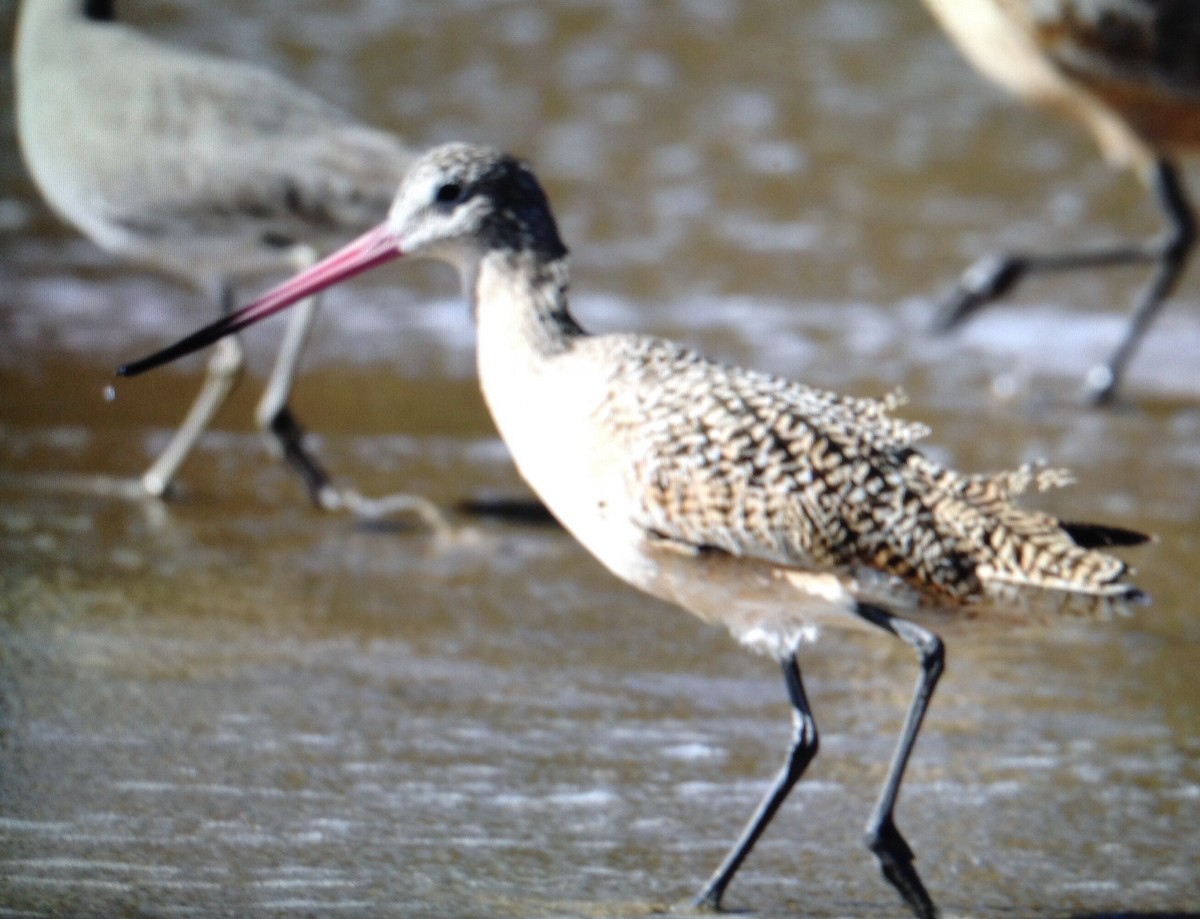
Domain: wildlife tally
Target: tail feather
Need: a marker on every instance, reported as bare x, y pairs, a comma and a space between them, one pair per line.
1037, 550
1102, 536
1030, 549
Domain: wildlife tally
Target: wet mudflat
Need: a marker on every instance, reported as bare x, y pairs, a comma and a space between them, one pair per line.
231, 704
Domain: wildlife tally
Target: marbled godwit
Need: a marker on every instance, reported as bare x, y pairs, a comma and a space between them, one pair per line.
209, 169
751, 501
1129, 70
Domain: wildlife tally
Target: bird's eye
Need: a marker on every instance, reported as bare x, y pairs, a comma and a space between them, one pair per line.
448, 193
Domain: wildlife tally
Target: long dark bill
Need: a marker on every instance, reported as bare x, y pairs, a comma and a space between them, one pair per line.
375, 247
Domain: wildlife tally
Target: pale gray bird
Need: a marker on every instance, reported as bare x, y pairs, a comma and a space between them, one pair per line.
211, 170
1129, 72
754, 502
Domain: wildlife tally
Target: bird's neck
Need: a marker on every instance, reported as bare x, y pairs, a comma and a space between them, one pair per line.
526, 336
538, 382
520, 304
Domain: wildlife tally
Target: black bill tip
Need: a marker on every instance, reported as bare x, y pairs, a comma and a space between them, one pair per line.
200, 339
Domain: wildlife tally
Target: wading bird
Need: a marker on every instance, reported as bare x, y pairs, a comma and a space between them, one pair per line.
754, 502
1129, 71
211, 170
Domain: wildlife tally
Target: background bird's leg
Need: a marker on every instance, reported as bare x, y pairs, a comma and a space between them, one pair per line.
995, 275
276, 418
803, 749
882, 837
1173, 248
224, 368
273, 414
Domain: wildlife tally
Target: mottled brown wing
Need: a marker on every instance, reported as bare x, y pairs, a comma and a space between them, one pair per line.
758, 466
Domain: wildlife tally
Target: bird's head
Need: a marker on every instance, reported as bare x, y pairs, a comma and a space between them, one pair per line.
456, 203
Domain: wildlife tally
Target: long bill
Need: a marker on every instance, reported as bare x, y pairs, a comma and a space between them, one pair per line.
375, 247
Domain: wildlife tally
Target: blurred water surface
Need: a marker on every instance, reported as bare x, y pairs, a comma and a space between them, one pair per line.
231, 704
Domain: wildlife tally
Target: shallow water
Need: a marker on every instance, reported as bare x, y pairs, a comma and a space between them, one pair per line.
233, 705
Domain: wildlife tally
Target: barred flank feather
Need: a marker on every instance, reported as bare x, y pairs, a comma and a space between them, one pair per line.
759, 466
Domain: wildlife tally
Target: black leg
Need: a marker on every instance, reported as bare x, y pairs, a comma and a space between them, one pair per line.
803, 749
995, 275
882, 837
290, 435
1174, 247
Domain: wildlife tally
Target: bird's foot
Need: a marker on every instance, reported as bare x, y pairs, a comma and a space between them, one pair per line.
154, 484
1100, 386
705, 902
896, 862
988, 279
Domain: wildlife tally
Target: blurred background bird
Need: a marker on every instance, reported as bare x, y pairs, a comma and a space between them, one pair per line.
210, 170
1129, 71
